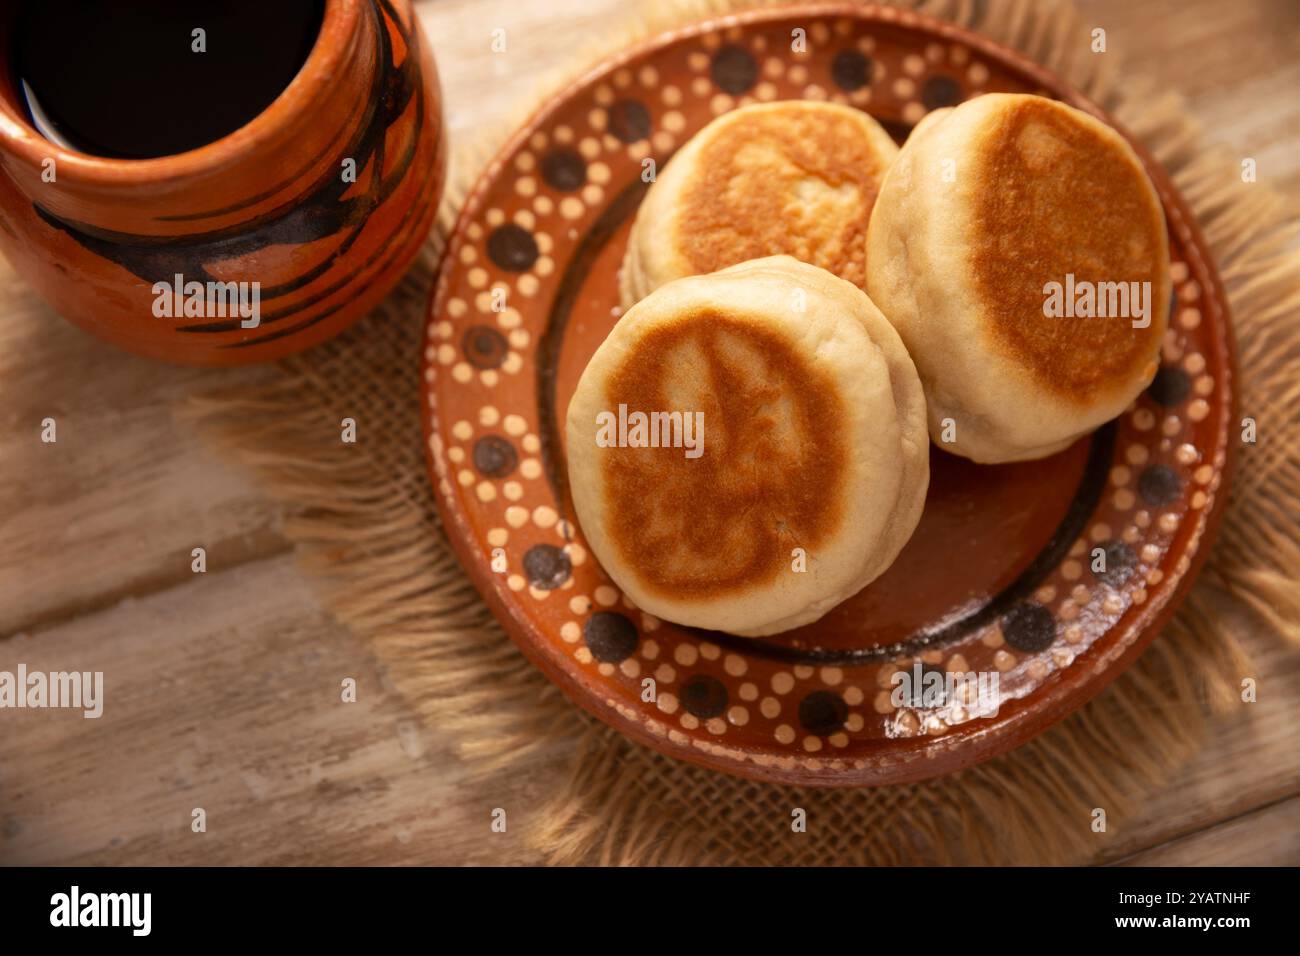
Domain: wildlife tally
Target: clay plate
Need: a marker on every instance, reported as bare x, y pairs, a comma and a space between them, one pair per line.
999, 575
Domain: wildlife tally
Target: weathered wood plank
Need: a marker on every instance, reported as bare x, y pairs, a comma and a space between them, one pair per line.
1238, 65
1250, 760
116, 504
226, 694
1269, 836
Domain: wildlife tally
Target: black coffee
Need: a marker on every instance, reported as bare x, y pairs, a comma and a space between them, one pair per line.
131, 79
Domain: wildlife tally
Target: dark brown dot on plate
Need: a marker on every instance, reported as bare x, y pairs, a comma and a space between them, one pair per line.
546, 566
1159, 485
610, 636
940, 91
704, 696
823, 712
1029, 627
851, 70
484, 346
1120, 562
734, 70
512, 247
1170, 386
494, 457
564, 169
629, 120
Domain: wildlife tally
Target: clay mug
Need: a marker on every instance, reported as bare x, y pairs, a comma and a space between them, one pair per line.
272, 203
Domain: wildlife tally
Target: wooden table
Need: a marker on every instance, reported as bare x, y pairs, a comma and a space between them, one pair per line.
224, 686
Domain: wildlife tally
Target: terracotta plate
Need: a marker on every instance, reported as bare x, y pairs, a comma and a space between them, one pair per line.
999, 577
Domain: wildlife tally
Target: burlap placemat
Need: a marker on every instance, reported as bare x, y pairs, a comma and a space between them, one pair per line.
363, 518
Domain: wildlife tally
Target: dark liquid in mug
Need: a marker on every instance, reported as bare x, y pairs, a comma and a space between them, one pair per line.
123, 79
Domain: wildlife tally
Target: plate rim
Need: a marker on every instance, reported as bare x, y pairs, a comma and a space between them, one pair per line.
924, 756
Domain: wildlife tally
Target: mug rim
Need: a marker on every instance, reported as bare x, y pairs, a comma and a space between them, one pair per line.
337, 26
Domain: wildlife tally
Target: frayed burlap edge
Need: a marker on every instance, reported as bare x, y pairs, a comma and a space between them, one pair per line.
364, 522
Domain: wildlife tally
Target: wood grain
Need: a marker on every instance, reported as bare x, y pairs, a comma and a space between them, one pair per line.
225, 693
1237, 64
116, 504
223, 689
1250, 760
1268, 836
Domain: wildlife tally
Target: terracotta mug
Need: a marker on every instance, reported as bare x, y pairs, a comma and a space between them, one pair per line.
322, 200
